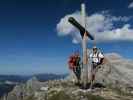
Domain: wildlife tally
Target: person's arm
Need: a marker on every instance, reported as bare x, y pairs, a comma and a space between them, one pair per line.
90, 56
101, 56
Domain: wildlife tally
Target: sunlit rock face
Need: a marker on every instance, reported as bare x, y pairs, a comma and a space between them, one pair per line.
117, 71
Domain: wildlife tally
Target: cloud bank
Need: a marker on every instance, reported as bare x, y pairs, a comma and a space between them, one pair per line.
101, 25
130, 5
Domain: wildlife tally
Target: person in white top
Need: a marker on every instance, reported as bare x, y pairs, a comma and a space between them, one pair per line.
97, 59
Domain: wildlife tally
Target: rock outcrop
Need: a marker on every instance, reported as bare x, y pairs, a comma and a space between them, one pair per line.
117, 71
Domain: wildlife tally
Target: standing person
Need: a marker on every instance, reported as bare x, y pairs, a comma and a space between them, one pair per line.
71, 65
78, 67
74, 65
96, 59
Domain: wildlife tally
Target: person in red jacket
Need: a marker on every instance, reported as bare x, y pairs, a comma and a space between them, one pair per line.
74, 65
71, 62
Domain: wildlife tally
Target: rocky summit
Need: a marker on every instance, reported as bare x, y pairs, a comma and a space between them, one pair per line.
116, 77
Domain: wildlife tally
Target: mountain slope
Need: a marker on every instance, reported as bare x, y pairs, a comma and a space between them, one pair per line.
117, 71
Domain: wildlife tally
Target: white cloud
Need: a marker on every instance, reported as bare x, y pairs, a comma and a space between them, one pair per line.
120, 18
130, 5
65, 28
100, 25
124, 33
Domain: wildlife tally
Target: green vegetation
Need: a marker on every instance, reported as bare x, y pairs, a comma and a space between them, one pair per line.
120, 92
94, 97
60, 96
63, 96
30, 98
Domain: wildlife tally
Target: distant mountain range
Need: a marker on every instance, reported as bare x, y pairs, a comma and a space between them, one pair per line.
13, 78
7, 82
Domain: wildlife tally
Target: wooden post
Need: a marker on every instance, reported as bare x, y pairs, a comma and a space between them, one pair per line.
84, 46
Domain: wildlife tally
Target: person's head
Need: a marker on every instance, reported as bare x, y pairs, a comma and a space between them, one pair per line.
76, 54
95, 49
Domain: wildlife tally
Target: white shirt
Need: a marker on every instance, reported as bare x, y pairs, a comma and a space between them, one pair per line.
96, 57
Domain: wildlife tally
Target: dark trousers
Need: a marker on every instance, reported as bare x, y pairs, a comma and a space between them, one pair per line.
77, 72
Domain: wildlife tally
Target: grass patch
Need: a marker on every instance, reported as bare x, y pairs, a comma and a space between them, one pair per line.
30, 98
60, 96
94, 97
63, 96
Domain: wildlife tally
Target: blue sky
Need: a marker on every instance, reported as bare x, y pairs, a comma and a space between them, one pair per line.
29, 40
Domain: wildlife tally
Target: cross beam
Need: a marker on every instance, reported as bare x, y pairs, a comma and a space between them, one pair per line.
80, 28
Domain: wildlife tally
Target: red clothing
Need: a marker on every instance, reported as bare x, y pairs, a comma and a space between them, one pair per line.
72, 62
